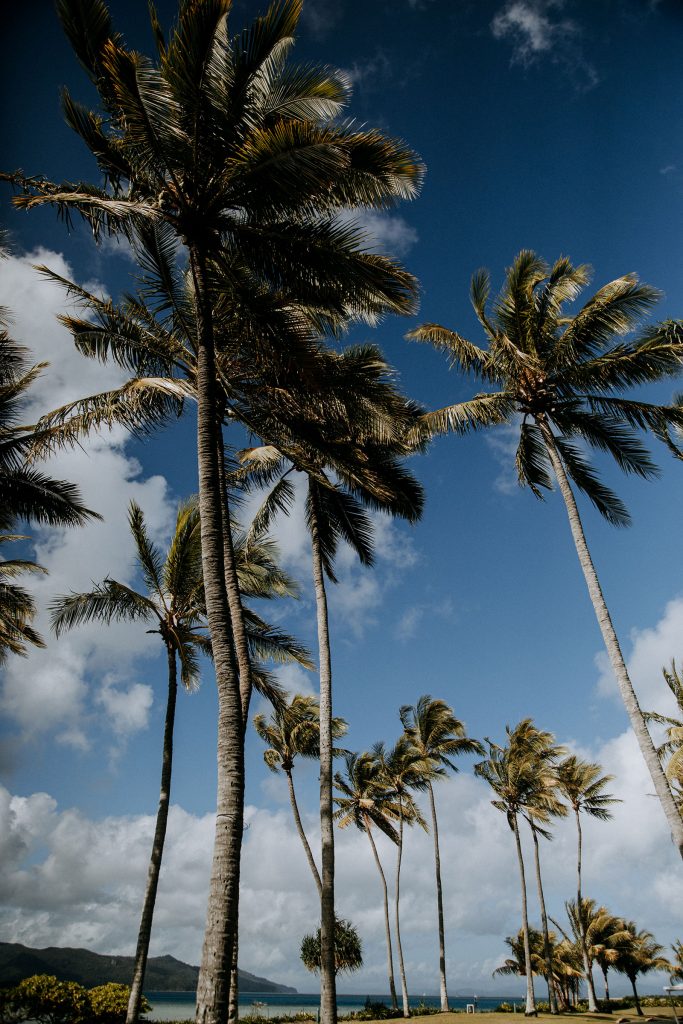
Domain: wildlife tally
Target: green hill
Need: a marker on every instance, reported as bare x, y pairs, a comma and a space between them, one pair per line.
163, 974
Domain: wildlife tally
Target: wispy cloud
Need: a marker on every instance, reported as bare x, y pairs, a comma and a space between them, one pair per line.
538, 30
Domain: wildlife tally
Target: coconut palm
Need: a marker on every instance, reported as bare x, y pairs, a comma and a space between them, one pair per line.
294, 730
236, 150
522, 780
515, 964
583, 786
174, 605
677, 963
639, 954
402, 773
560, 380
364, 801
600, 932
671, 750
438, 736
351, 459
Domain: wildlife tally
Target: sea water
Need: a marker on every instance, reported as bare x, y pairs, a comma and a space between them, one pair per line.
180, 1005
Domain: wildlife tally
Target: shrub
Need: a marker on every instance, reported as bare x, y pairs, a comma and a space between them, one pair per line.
45, 999
109, 1003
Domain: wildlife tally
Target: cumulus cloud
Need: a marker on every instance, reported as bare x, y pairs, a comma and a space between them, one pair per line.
65, 689
386, 233
538, 29
651, 649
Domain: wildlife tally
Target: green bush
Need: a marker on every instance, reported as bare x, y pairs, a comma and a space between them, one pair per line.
44, 999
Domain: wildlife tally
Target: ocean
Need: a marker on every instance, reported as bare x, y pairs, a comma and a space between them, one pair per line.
180, 1005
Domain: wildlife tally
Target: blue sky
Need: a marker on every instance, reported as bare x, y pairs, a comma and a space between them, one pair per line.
543, 124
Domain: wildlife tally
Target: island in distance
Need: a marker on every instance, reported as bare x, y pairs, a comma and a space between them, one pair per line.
163, 974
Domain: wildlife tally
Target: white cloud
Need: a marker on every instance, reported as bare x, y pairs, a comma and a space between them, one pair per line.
652, 649
537, 30
64, 689
503, 443
371, 72
384, 232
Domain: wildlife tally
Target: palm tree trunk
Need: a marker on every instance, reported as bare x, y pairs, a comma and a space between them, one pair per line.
328, 979
587, 966
234, 999
552, 999
530, 997
302, 835
604, 975
399, 947
439, 903
144, 934
232, 588
639, 1009
609, 636
213, 987
387, 930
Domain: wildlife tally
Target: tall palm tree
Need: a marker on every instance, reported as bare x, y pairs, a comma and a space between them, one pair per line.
639, 954
352, 460
401, 769
364, 801
438, 736
174, 604
522, 780
291, 731
671, 750
238, 152
583, 785
559, 380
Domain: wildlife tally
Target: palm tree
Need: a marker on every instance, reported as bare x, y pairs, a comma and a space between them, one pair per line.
639, 954
599, 932
672, 747
515, 964
360, 441
348, 949
238, 152
583, 786
677, 964
364, 802
559, 380
174, 604
522, 779
438, 736
402, 773
294, 730
17, 607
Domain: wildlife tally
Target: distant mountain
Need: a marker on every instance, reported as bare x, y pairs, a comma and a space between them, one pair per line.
163, 974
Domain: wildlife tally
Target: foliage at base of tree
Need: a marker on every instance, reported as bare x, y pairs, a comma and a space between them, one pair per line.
44, 999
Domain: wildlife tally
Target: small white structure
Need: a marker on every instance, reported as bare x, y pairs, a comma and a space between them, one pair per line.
671, 991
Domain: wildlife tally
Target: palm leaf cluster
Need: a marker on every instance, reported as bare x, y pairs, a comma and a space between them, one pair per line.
671, 750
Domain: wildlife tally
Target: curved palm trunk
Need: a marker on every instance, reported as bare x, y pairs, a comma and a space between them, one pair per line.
302, 835
604, 969
530, 997
328, 978
609, 636
587, 966
387, 929
639, 1009
439, 903
399, 947
552, 998
145, 931
213, 987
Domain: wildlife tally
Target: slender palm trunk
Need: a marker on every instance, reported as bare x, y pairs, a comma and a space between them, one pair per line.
399, 947
530, 997
328, 980
604, 976
439, 903
552, 999
587, 966
639, 1009
609, 636
387, 929
302, 835
145, 931
213, 987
